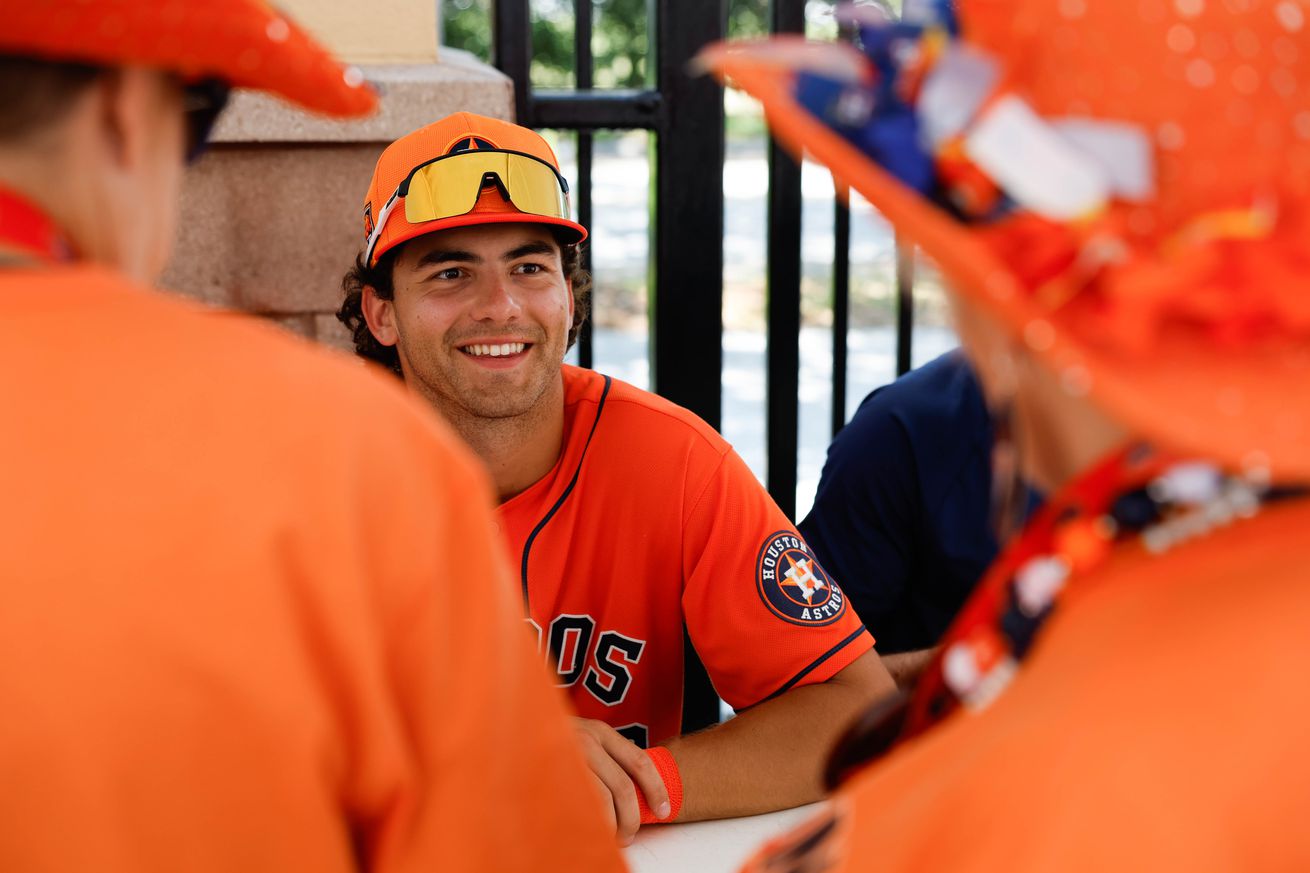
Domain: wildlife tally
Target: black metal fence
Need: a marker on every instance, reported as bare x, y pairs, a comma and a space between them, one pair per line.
686, 115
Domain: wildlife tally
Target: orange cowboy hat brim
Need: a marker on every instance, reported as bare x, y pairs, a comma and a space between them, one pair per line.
1245, 405
246, 43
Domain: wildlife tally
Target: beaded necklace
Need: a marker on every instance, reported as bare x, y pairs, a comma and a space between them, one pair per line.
1136, 493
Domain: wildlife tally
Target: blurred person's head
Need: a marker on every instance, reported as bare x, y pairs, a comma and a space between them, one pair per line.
1119, 197
102, 102
102, 151
470, 284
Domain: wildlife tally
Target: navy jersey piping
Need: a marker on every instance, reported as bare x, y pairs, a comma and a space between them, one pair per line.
527, 546
816, 662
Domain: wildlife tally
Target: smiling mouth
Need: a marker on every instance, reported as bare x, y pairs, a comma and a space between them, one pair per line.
493, 350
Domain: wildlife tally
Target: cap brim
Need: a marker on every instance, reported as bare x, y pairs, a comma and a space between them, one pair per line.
1240, 406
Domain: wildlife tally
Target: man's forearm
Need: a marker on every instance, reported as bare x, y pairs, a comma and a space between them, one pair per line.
771, 756
905, 667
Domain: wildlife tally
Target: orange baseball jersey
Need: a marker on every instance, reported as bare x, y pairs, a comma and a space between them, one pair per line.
255, 615
1159, 723
650, 520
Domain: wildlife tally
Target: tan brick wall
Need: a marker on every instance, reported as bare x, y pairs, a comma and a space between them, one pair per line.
271, 229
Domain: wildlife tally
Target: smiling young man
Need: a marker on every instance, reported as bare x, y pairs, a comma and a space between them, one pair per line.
627, 517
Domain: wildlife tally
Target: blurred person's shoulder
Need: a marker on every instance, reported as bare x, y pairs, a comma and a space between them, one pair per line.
931, 402
932, 420
1164, 682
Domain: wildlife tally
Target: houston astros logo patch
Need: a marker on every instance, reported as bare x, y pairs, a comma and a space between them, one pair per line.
793, 585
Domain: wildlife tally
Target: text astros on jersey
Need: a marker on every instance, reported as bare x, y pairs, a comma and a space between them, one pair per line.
649, 521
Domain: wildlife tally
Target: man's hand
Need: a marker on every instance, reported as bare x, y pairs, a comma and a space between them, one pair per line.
620, 767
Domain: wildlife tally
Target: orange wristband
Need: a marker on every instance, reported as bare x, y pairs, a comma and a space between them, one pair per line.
662, 758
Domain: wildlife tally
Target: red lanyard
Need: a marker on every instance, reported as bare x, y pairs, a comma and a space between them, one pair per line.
26, 228
1136, 494
1068, 536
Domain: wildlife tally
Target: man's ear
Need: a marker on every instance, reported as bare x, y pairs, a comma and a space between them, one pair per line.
380, 316
569, 283
124, 98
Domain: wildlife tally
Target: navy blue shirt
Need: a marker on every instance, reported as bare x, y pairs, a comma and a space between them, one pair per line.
901, 517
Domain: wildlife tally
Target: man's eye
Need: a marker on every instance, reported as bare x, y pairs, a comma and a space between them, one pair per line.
452, 273
530, 268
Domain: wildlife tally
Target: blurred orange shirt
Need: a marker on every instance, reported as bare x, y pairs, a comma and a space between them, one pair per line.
254, 615
1160, 723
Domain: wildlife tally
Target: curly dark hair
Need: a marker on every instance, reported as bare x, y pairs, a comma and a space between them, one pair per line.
379, 278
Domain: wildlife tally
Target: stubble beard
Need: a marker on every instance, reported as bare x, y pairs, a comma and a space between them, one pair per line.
493, 424
495, 401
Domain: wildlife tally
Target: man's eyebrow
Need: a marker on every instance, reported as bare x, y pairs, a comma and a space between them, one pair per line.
444, 256
536, 247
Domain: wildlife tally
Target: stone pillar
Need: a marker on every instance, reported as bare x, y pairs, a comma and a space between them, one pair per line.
272, 216
375, 32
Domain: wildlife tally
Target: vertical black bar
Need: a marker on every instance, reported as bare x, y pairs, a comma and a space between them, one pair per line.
784, 296
582, 61
585, 337
841, 287
511, 22
904, 305
687, 250
583, 76
841, 308
687, 347
700, 702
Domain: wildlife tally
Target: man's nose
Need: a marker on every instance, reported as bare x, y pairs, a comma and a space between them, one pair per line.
496, 300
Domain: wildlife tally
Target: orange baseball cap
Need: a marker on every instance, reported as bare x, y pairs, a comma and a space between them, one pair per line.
1184, 310
529, 189
246, 43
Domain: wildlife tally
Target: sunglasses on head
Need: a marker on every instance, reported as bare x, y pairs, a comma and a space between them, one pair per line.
202, 102
448, 186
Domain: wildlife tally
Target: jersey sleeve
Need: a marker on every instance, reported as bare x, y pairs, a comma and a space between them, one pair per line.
488, 776
762, 613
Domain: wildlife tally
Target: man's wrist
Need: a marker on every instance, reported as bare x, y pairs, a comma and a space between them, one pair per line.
664, 762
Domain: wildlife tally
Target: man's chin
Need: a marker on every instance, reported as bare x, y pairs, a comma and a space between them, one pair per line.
499, 399
495, 405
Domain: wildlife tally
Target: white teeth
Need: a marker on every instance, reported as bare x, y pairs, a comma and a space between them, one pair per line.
500, 350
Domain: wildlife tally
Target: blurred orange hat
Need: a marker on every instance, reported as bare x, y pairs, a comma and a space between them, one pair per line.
1182, 307
246, 43
477, 170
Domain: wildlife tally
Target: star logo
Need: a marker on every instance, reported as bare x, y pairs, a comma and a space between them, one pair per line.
802, 576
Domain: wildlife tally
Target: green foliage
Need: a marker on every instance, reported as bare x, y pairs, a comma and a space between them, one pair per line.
466, 24
621, 44
552, 48
620, 37
748, 18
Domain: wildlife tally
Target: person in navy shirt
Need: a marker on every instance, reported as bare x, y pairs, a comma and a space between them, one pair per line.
902, 514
